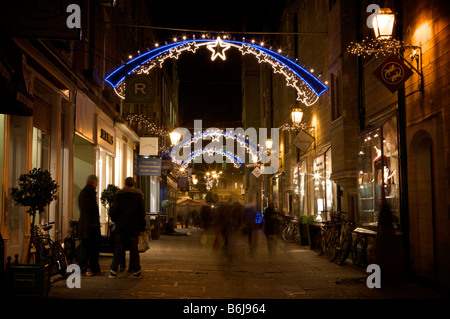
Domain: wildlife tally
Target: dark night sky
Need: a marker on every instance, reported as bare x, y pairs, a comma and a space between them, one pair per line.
211, 90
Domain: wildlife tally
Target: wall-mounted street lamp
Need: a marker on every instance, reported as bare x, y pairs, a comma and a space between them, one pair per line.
174, 138
383, 24
297, 125
269, 144
297, 115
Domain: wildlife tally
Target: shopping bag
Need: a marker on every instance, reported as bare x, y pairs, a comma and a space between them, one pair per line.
144, 241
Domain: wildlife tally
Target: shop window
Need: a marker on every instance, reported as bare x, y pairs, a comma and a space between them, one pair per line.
40, 158
40, 149
299, 182
118, 162
378, 173
324, 188
336, 99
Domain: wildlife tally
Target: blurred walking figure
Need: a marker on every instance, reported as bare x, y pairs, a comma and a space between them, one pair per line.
249, 227
89, 228
226, 219
269, 228
128, 213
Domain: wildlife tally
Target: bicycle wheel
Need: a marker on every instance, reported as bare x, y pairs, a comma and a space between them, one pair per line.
320, 241
288, 233
359, 251
69, 250
296, 234
332, 250
59, 261
345, 250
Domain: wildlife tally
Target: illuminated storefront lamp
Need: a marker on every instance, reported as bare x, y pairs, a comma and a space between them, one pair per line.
174, 137
383, 24
296, 116
269, 144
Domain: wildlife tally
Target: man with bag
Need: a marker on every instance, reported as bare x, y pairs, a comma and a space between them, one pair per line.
128, 214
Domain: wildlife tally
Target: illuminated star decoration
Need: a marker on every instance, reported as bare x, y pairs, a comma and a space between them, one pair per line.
307, 86
218, 49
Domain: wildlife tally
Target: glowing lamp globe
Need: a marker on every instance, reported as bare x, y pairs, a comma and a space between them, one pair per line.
174, 137
269, 144
383, 24
296, 115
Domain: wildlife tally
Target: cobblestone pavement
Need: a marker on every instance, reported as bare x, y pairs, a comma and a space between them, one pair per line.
181, 267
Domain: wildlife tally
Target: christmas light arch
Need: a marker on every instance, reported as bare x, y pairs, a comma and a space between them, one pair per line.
243, 142
236, 160
308, 87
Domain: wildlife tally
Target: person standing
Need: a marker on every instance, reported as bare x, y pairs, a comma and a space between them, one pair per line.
89, 228
269, 228
128, 213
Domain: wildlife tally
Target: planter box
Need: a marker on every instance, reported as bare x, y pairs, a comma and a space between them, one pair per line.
304, 234
313, 229
28, 279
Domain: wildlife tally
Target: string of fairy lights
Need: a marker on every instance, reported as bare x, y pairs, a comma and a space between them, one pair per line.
375, 47
307, 86
307, 92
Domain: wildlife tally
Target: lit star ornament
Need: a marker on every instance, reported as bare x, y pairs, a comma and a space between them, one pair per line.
218, 49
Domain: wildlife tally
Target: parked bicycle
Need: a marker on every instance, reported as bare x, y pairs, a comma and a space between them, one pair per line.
328, 237
72, 243
291, 231
44, 250
359, 248
344, 247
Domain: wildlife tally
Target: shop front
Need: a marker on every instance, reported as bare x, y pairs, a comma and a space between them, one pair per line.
299, 202
105, 151
324, 188
84, 147
378, 177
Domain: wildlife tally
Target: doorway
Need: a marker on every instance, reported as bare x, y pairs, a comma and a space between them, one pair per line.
422, 205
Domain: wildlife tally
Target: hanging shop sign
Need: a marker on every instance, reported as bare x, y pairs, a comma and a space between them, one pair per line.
256, 172
183, 183
149, 166
303, 140
393, 73
140, 88
148, 146
105, 135
16, 82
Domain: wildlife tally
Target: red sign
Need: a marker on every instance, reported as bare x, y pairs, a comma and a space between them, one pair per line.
393, 73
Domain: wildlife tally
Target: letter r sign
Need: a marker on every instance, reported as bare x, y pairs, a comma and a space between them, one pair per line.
139, 88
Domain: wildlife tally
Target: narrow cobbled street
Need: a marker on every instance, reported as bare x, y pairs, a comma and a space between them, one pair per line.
181, 267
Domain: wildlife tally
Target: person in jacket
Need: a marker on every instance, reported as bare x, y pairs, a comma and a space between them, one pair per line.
89, 228
128, 214
270, 228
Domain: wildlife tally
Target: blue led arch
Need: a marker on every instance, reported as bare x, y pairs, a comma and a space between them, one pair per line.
236, 160
308, 87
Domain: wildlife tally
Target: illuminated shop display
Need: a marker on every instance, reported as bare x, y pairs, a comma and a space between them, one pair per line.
378, 173
324, 188
299, 181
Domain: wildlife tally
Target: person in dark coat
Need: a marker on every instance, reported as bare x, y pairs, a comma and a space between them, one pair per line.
89, 228
128, 214
269, 227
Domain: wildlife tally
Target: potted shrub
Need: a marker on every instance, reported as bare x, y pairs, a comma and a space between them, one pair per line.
304, 222
35, 190
107, 198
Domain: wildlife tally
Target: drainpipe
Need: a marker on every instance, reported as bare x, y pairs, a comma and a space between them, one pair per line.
402, 149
